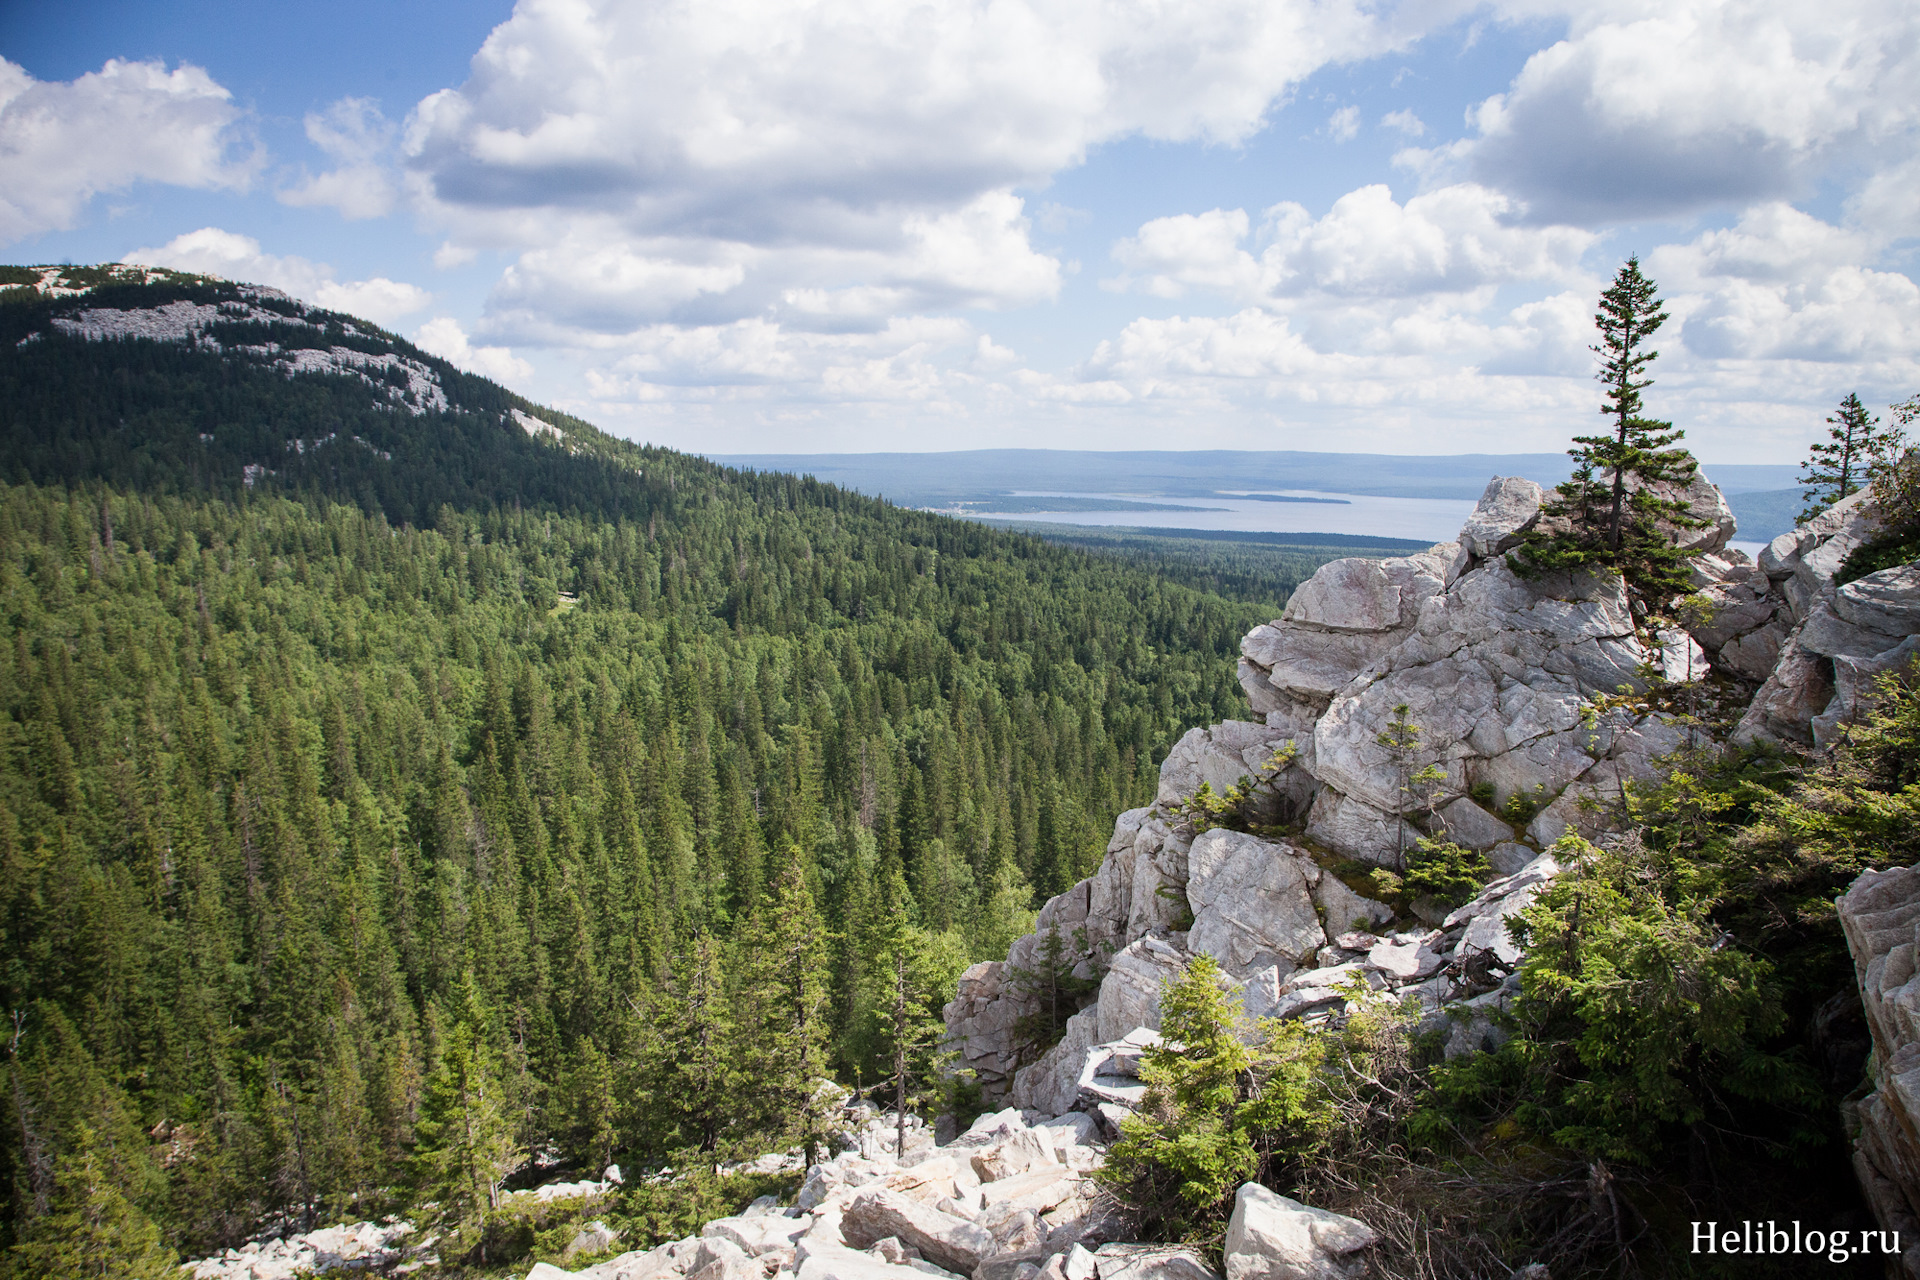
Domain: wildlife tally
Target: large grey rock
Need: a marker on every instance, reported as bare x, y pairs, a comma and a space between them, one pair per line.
1252, 902
1853, 686
832, 1262
1880, 916
1506, 859
1509, 507
757, 1235
1799, 688
1347, 595
1466, 823
1221, 757
1130, 992
1342, 908
729, 1267
1052, 1083
942, 1239
1151, 1262
1486, 916
1271, 1237
1017, 1153
1887, 601
1357, 829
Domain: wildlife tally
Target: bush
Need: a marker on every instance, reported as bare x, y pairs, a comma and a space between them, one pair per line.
1638, 1018
1446, 872
1888, 551
1218, 1110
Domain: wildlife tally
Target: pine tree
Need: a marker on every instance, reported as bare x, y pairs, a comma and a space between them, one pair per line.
914, 976
92, 1230
691, 1071
783, 1026
1608, 515
1842, 466
464, 1137
1053, 989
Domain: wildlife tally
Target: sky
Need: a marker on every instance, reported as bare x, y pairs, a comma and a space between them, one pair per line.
741, 226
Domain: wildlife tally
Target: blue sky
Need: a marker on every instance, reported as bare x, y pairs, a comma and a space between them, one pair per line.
745, 226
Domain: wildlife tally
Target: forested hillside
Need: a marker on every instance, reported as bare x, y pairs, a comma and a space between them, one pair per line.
377, 744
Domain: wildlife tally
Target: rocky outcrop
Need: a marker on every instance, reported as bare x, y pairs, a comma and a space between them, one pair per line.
1880, 914
1497, 671
1836, 639
349, 1247
1460, 971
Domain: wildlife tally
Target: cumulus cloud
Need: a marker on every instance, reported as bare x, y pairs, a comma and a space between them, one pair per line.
442, 336
212, 251
1453, 240
837, 163
1344, 124
1783, 285
63, 142
1695, 104
355, 134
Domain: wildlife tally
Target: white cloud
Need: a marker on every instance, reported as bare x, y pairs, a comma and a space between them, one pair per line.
837, 163
1189, 251
1453, 240
353, 132
212, 251
1405, 122
1696, 104
63, 142
1344, 124
1783, 285
442, 336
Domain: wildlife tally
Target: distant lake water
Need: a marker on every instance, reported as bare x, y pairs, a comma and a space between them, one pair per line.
1418, 519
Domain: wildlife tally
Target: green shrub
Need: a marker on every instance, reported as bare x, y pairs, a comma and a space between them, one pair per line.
1888, 551
1520, 807
1218, 1109
1447, 872
1638, 1018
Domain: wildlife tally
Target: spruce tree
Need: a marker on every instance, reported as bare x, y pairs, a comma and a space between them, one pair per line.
464, 1137
92, 1229
905, 1007
1841, 467
782, 1012
1608, 515
691, 1071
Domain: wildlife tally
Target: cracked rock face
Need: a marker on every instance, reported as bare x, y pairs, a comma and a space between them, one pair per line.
1494, 669
1880, 914
1500, 673
1839, 638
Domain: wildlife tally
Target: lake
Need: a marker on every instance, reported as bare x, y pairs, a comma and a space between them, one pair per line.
1418, 519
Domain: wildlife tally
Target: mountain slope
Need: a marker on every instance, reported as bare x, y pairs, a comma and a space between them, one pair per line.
352, 708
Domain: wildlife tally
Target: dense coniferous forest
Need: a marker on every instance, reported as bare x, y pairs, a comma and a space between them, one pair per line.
373, 777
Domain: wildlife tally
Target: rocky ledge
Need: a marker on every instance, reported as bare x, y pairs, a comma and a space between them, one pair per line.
1500, 674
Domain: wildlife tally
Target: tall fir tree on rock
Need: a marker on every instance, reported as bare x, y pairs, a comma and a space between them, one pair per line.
1842, 466
1612, 513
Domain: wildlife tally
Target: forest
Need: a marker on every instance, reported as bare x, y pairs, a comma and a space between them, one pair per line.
364, 768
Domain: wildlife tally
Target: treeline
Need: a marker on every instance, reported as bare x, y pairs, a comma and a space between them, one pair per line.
289, 793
